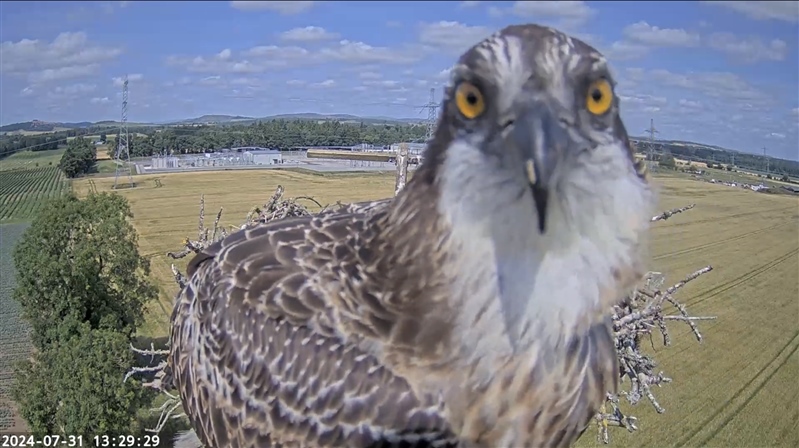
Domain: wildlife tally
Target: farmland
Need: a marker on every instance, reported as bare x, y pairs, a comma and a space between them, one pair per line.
23, 191
13, 330
725, 389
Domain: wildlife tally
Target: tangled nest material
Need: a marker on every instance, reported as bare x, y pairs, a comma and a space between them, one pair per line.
639, 315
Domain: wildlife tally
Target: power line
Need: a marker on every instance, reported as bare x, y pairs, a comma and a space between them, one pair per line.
122, 158
651, 131
432, 115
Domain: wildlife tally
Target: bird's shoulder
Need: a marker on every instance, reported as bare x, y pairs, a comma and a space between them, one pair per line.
283, 267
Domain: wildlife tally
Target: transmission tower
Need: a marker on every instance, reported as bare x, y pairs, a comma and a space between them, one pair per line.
122, 158
768, 162
650, 151
432, 115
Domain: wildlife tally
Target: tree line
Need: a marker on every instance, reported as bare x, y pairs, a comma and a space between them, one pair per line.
145, 141
274, 134
741, 160
82, 286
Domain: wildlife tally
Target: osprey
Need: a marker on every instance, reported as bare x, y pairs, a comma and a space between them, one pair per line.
472, 309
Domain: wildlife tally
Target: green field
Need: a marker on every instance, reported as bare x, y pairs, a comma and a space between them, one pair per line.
23, 191
13, 331
31, 159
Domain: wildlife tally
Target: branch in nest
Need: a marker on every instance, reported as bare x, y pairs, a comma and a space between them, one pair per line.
668, 214
639, 315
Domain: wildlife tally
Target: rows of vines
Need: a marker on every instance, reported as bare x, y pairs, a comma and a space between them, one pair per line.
13, 330
23, 191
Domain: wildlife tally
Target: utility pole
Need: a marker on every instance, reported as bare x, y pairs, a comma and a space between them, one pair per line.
122, 157
768, 164
650, 152
432, 115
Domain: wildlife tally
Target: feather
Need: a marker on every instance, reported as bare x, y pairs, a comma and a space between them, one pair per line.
260, 351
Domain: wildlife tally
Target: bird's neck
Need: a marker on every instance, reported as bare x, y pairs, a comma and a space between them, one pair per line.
500, 271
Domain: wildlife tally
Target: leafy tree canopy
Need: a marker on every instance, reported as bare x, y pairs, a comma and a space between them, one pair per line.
79, 262
79, 158
74, 386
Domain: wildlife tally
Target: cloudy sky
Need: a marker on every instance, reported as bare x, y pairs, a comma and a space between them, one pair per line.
724, 73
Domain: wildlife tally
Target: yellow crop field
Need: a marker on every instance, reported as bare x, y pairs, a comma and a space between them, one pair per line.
738, 388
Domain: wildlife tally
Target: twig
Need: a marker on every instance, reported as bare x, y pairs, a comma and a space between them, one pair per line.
668, 214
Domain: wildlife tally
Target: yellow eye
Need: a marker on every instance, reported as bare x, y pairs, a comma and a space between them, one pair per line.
599, 97
469, 100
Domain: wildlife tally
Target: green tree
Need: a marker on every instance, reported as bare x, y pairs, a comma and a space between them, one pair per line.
667, 161
74, 386
103, 137
79, 263
79, 158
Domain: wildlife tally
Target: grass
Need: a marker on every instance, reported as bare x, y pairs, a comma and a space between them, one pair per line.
23, 191
30, 159
738, 388
13, 330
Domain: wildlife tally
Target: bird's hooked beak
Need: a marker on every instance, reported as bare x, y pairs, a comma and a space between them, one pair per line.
541, 138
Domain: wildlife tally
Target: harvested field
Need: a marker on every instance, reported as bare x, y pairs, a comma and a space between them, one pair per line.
738, 388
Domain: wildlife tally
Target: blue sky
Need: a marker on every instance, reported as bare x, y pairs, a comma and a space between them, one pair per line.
724, 73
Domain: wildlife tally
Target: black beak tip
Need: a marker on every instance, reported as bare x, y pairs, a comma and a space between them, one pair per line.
541, 198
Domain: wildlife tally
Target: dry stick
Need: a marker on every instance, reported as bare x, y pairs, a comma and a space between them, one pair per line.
637, 316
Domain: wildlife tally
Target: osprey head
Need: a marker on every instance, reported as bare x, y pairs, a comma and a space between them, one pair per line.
539, 108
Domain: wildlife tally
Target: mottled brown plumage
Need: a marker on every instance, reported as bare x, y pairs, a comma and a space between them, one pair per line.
442, 316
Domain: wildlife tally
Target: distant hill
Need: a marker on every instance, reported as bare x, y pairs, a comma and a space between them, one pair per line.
344, 118
42, 126
213, 119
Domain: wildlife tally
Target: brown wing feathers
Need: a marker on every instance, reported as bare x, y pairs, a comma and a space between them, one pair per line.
257, 357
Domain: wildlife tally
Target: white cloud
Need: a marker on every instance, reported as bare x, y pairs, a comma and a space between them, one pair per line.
272, 57
382, 83
690, 104
308, 34
27, 91
795, 111
369, 75
787, 11
100, 100
728, 86
776, 135
361, 53
641, 37
324, 84
560, 14
295, 82
642, 99
281, 7
118, 81
69, 55
653, 36
749, 50
469, 4
453, 37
